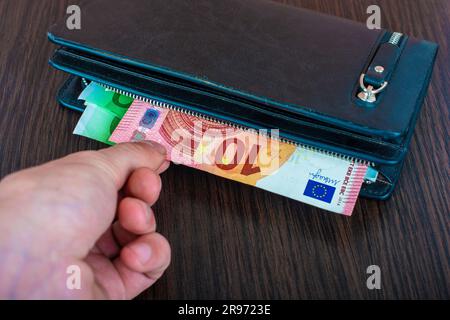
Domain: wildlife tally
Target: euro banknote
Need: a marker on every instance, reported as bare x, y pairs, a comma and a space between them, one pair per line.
256, 158
104, 110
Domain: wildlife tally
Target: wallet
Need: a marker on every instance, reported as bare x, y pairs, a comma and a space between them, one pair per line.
325, 82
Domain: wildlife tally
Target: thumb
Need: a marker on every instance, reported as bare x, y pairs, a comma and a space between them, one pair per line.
71, 199
110, 169
121, 160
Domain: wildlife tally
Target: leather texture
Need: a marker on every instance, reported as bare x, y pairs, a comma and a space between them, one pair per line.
386, 57
245, 113
259, 64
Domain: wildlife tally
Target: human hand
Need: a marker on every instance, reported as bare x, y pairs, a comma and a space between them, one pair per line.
62, 214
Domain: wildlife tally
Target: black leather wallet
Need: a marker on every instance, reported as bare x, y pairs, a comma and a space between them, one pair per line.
325, 82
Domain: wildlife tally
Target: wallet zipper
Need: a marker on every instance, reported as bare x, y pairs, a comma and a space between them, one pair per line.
380, 69
395, 38
236, 126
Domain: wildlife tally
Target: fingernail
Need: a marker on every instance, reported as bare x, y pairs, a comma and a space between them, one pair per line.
160, 148
143, 251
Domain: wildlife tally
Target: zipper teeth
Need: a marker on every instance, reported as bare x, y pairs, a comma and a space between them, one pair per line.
239, 127
84, 82
395, 38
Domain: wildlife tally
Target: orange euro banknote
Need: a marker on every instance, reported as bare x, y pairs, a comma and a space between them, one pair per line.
256, 158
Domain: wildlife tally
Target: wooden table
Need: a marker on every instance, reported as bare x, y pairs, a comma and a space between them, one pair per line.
234, 241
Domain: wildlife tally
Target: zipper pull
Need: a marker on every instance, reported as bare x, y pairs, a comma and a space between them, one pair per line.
376, 79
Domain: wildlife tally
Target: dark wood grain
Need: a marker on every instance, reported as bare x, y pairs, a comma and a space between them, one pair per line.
234, 241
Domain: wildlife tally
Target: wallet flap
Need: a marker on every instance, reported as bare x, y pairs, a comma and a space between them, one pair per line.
296, 60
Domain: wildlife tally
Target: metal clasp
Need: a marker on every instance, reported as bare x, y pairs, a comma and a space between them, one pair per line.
368, 94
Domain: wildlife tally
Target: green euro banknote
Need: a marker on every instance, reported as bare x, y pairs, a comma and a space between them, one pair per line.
106, 99
104, 110
97, 123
